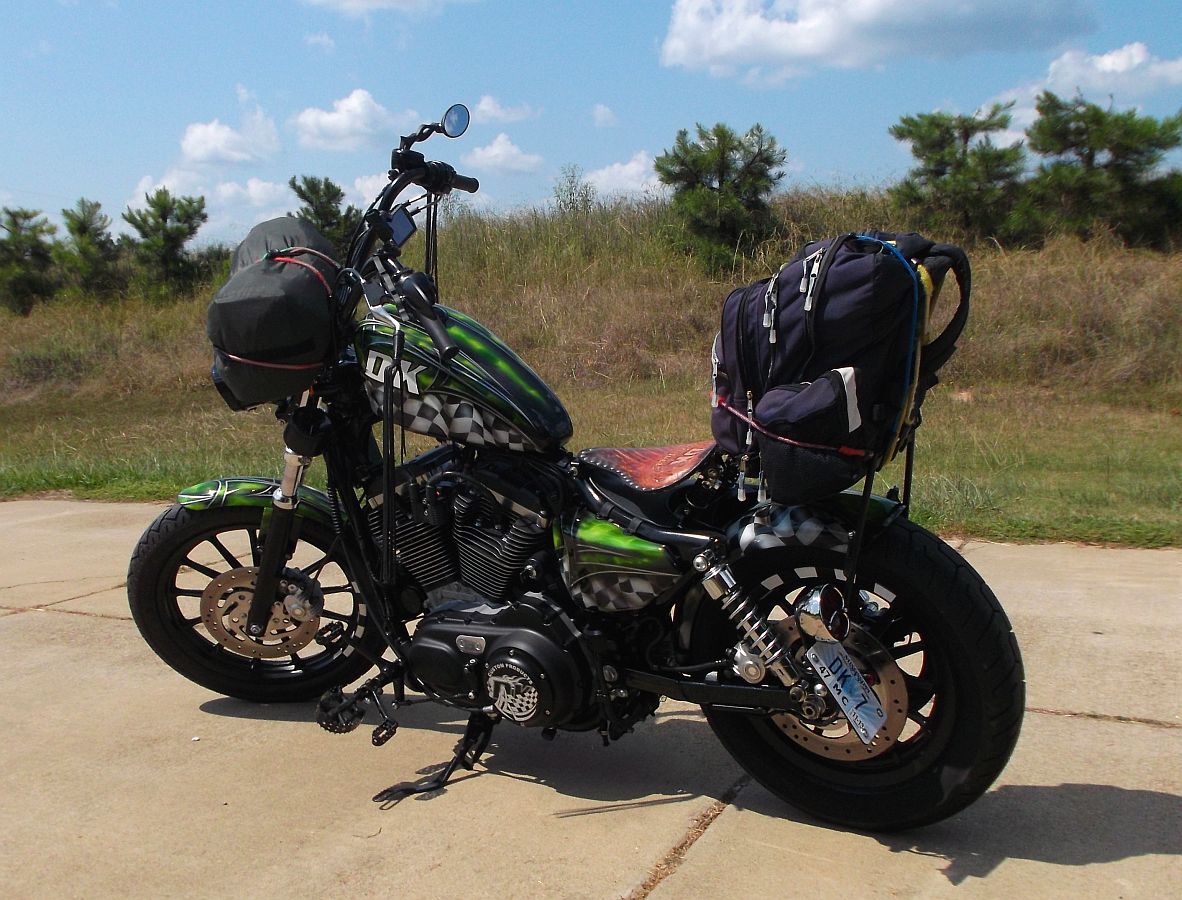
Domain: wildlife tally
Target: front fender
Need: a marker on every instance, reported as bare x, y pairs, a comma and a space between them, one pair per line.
239, 491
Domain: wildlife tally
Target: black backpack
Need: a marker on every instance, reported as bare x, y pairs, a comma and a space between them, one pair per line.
821, 370
272, 323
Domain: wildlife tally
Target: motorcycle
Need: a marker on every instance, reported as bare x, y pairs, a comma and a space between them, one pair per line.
853, 663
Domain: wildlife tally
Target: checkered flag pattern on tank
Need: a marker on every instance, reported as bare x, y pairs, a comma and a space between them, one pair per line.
458, 420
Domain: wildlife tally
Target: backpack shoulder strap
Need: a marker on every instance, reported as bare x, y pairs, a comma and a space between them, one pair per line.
940, 349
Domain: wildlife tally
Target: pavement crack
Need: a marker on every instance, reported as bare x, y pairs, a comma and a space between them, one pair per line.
1103, 717
64, 600
14, 611
49, 606
81, 612
669, 863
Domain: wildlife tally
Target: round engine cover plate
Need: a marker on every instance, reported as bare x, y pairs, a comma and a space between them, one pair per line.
514, 690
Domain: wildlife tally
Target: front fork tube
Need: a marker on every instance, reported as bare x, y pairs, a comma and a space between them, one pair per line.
276, 544
757, 637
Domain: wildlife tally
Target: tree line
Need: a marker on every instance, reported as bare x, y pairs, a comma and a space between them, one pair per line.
1097, 170
89, 262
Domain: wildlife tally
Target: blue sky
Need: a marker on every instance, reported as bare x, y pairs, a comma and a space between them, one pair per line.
107, 99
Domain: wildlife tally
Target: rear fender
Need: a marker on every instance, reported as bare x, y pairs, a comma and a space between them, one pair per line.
310, 503
826, 526
770, 527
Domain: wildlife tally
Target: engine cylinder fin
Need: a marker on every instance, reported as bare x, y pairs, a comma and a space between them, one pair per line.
421, 549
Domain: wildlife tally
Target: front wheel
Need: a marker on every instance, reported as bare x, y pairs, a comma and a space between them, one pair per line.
951, 681
190, 585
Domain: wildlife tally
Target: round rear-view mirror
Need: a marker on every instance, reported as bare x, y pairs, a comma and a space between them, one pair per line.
455, 120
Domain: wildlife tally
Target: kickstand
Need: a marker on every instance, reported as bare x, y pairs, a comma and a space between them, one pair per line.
468, 752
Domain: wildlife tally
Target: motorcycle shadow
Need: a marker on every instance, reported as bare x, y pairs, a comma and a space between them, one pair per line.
671, 757
1063, 825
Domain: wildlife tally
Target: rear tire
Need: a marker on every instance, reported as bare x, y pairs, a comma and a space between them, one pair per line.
960, 663
172, 593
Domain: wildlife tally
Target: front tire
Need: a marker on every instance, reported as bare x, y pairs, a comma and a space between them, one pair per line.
953, 647
189, 570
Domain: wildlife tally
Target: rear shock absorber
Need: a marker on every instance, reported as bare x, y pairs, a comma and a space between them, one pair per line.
761, 649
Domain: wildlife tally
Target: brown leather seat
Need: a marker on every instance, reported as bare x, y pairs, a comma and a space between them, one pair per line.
649, 468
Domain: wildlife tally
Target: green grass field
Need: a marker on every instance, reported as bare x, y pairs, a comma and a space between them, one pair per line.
1058, 419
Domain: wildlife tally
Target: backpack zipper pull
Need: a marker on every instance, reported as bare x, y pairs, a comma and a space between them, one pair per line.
771, 304
741, 493
808, 283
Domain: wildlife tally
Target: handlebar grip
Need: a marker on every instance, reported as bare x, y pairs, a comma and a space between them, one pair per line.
444, 345
465, 183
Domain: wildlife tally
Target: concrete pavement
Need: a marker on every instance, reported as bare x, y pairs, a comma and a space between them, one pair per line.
118, 777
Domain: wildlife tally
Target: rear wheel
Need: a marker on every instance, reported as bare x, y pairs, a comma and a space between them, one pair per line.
950, 681
190, 586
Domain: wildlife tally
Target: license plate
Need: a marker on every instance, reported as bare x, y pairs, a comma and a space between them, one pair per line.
857, 701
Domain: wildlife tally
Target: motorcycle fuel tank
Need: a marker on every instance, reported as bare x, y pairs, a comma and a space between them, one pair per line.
486, 395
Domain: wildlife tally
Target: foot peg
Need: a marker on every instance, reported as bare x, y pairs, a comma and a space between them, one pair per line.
339, 714
330, 634
384, 732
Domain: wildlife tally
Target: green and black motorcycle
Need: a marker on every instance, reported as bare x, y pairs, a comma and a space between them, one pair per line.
501, 574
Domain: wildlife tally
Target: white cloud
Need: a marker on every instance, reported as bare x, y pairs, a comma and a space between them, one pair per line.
352, 122
489, 109
321, 41
360, 8
1125, 74
179, 180
603, 116
770, 40
502, 155
255, 193
1129, 71
366, 187
636, 176
216, 142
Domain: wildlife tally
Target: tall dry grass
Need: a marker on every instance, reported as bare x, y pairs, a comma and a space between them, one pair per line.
596, 295
1071, 315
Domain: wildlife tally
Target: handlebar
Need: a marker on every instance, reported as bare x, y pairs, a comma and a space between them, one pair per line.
416, 289
465, 183
418, 294
444, 345
410, 167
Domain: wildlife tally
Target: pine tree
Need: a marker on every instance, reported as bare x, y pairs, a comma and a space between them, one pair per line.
164, 226
323, 199
88, 258
1100, 169
721, 183
963, 179
25, 257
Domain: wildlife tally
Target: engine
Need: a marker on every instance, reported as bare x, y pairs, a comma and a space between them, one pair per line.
473, 529
520, 657
487, 639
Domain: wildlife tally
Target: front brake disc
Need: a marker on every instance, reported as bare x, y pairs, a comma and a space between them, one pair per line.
225, 606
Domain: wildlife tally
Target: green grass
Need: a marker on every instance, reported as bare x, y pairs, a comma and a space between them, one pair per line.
1058, 420
995, 465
